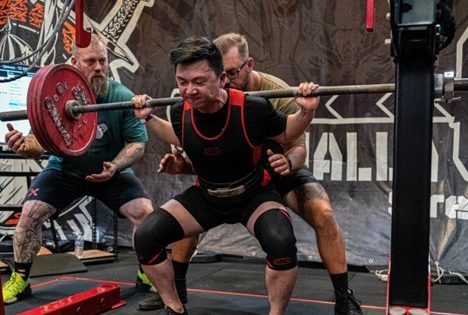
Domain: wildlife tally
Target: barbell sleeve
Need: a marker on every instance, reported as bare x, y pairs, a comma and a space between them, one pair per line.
14, 115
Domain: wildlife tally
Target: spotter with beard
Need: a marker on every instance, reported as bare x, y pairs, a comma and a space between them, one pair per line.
102, 172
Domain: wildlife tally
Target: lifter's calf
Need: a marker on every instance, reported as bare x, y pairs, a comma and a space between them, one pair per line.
280, 284
158, 230
182, 251
163, 275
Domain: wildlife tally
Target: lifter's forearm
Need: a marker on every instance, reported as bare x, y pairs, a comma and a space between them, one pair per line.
296, 124
163, 130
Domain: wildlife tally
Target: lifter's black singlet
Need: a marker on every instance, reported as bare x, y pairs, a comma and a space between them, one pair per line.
226, 156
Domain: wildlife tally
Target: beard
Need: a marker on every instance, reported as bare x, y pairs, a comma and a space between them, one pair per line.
100, 86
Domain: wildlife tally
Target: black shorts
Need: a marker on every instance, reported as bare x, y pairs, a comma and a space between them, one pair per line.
212, 211
59, 189
285, 184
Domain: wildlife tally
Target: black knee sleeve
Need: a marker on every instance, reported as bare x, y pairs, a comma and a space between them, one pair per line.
157, 231
275, 233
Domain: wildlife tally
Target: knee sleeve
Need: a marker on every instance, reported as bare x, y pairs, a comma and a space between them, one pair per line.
274, 231
157, 231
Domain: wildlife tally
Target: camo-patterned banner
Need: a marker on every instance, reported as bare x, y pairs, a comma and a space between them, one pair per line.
351, 139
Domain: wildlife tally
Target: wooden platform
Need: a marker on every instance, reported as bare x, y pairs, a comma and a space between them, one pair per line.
93, 254
42, 251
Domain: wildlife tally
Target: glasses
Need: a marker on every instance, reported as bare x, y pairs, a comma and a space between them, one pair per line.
234, 73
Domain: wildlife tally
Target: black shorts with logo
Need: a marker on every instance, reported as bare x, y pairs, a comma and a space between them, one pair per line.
212, 211
59, 189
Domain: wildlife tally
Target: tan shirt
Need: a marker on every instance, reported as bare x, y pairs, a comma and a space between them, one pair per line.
286, 106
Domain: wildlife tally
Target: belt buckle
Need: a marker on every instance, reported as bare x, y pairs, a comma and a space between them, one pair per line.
226, 192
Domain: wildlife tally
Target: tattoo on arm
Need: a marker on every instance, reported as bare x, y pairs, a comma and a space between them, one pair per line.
131, 153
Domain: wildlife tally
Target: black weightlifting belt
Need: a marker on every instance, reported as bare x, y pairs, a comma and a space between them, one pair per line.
236, 188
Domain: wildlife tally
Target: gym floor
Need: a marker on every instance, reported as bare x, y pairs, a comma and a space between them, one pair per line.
232, 286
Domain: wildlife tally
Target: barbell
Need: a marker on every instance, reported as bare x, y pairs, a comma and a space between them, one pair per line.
62, 112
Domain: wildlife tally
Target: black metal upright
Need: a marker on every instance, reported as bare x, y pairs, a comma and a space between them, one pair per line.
414, 34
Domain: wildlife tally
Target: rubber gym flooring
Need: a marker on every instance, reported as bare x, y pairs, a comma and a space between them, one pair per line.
232, 286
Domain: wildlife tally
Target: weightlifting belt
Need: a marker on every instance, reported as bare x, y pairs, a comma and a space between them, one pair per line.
236, 188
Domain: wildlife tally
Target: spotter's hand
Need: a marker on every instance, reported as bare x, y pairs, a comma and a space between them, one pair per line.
108, 170
14, 138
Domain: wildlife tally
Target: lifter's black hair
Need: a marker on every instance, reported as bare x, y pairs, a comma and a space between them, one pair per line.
197, 48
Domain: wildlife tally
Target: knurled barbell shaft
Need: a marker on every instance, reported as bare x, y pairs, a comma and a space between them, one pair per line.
328, 90
459, 85
154, 102
291, 92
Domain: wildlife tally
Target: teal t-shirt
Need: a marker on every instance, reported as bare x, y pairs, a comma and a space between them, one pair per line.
115, 129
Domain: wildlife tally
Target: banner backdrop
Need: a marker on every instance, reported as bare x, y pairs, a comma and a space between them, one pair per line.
350, 141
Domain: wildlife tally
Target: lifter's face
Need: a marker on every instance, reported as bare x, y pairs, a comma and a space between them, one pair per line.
235, 64
199, 85
93, 63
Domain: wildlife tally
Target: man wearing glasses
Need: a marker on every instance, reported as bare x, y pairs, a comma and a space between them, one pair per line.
299, 189
233, 74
